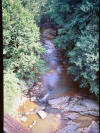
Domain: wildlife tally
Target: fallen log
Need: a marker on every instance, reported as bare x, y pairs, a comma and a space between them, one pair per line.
13, 126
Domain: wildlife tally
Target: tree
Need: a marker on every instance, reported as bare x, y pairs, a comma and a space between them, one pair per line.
78, 26
21, 48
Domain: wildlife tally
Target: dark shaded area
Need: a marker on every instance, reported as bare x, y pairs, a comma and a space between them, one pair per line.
77, 25
4, 132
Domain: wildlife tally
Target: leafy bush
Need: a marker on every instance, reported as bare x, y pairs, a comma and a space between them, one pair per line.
35, 7
84, 57
78, 26
12, 91
21, 49
84, 60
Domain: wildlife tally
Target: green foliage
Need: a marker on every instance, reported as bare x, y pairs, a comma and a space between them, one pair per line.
12, 92
21, 48
84, 57
78, 26
84, 60
35, 7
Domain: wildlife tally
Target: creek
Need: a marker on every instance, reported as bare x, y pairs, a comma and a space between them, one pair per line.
56, 83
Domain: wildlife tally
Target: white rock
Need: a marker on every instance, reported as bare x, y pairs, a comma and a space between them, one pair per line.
30, 126
31, 110
42, 114
34, 122
33, 99
31, 93
24, 119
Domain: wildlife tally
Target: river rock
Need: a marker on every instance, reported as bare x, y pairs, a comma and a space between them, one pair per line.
71, 116
34, 122
93, 128
78, 108
24, 119
43, 99
76, 104
93, 113
74, 100
70, 128
90, 104
83, 110
58, 101
32, 99
42, 114
30, 126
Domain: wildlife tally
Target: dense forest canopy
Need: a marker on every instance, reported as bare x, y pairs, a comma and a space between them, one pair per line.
21, 49
77, 35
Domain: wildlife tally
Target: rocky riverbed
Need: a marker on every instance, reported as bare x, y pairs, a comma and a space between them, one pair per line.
64, 107
76, 114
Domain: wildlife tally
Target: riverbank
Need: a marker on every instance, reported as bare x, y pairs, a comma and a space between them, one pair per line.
69, 109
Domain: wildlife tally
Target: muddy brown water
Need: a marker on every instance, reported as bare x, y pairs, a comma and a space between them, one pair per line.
56, 83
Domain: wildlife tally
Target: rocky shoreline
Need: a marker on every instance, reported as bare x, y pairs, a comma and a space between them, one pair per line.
79, 113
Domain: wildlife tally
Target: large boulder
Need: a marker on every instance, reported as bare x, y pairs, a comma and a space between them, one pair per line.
78, 108
86, 107
90, 112
79, 105
59, 100
70, 128
71, 116
89, 104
